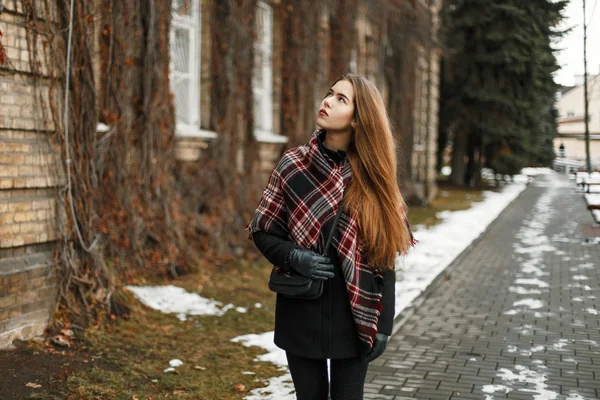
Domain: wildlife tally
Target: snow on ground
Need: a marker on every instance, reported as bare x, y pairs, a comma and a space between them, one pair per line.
278, 388
439, 245
173, 299
535, 381
529, 253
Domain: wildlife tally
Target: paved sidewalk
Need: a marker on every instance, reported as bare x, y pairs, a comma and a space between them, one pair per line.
518, 318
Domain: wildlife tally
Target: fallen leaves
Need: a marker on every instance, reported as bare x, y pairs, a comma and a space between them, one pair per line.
240, 388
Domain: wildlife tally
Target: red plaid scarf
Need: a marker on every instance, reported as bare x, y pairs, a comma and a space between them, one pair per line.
303, 194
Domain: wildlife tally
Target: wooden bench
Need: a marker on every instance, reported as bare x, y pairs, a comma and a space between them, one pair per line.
587, 184
593, 205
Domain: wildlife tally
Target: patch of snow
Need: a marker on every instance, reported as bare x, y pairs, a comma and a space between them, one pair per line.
280, 387
590, 342
175, 363
529, 303
524, 330
592, 311
265, 340
535, 382
173, 299
533, 282
491, 389
560, 344
580, 278
522, 290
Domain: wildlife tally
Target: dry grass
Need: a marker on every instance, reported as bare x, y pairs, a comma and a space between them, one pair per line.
129, 357
449, 198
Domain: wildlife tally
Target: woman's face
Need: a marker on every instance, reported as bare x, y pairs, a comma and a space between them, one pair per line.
336, 112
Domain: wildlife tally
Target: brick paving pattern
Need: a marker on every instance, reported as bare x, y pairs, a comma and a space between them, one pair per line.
518, 317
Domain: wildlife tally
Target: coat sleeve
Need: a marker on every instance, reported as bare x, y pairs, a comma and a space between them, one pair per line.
274, 247
388, 302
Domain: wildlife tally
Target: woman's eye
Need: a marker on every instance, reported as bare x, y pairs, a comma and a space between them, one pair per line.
342, 100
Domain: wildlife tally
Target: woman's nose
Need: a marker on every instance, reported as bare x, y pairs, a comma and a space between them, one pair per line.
326, 103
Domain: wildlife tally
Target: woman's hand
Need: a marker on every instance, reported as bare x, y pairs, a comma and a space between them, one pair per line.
378, 347
310, 264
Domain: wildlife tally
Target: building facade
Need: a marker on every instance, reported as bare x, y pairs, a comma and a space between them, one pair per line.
570, 142
28, 186
31, 166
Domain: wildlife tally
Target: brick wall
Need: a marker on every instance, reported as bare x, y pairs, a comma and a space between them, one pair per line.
426, 113
29, 162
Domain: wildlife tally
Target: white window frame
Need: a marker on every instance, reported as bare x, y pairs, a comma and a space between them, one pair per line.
192, 23
263, 96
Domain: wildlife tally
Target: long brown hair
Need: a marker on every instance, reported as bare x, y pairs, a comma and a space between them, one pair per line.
373, 195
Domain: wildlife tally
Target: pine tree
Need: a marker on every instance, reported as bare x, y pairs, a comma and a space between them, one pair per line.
497, 87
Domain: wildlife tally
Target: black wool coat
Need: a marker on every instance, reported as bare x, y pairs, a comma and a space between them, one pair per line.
323, 327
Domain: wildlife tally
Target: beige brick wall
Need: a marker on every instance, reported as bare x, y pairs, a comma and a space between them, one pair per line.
29, 165
27, 295
426, 114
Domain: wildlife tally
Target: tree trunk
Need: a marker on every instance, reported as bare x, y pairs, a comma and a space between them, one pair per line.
459, 151
471, 166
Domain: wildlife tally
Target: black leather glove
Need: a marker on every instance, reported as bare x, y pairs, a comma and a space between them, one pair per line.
378, 347
310, 264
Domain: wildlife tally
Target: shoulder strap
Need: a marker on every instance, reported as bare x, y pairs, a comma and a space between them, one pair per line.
335, 222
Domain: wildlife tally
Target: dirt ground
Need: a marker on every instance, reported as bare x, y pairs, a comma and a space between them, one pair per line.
26, 368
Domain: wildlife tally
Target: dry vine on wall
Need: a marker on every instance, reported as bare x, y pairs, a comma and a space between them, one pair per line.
219, 185
121, 180
126, 185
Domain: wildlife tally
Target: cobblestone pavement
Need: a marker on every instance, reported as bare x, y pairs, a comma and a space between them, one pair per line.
518, 316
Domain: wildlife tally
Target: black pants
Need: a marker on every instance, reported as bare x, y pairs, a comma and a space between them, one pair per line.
312, 383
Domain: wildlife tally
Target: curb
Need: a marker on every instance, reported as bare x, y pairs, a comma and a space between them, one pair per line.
405, 314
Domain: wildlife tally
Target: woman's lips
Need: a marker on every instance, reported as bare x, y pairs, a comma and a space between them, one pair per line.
323, 112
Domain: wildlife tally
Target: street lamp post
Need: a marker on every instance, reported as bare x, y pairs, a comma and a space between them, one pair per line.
585, 95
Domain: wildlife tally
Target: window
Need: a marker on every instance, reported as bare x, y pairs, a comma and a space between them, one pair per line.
185, 65
570, 114
262, 79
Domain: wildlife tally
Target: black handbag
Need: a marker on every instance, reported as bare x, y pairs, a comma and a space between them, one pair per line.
296, 286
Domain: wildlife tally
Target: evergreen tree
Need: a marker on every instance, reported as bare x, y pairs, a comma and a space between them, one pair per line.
497, 87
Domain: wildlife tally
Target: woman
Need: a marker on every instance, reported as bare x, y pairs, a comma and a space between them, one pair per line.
350, 323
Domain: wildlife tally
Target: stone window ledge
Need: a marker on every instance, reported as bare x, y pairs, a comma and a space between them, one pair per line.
263, 136
190, 132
